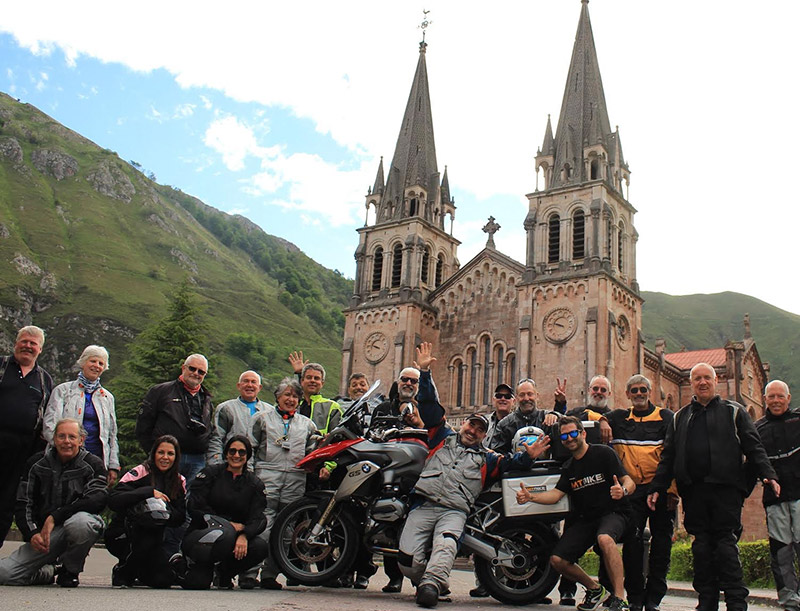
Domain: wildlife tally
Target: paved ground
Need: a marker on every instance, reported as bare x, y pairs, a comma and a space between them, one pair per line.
95, 594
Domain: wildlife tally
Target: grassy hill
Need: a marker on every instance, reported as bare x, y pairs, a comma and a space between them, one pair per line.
91, 249
708, 321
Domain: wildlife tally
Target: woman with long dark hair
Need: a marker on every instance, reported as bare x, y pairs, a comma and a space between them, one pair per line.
147, 499
227, 505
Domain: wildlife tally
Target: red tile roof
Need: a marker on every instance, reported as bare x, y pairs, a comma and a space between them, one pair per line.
686, 360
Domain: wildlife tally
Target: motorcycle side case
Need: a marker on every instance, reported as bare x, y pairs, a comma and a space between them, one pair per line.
537, 479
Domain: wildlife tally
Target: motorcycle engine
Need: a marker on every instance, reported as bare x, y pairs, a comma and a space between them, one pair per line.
388, 510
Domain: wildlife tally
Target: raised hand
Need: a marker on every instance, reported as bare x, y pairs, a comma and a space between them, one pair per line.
296, 361
523, 496
538, 447
560, 393
617, 491
424, 356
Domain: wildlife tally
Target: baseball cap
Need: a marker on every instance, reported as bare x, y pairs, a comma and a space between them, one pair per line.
484, 421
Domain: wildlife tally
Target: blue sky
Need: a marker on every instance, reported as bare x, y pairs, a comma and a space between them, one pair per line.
263, 111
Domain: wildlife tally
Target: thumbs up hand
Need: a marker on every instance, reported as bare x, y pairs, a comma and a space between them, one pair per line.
523, 496
617, 490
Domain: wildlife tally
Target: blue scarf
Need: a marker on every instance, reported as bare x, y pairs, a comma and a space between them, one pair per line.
88, 387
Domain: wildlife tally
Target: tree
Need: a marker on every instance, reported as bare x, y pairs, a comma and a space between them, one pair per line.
156, 356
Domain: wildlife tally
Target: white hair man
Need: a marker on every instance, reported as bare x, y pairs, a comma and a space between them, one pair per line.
25, 388
779, 430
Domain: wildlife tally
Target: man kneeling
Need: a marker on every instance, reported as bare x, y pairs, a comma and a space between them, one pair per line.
598, 486
60, 495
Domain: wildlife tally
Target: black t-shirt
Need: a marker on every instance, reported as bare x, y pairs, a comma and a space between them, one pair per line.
588, 482
20, 398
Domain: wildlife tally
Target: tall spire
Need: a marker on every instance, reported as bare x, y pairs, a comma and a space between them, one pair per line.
414, 161
583, 121
378, 186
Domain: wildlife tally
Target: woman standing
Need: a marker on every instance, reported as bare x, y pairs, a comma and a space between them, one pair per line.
89, 403
147, 499
227, 504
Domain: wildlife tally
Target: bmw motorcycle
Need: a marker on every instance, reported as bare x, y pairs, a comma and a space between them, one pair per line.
316, 539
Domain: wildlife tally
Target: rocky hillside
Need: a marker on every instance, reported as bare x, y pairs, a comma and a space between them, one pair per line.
91, 248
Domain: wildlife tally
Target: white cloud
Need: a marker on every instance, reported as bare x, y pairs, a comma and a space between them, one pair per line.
9, 73
235, 141
184, 110
206, 102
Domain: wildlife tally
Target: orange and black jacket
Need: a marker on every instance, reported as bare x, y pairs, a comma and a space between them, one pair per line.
639, 439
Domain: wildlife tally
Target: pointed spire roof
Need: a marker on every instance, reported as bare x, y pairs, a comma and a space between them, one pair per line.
584, 118
414, 161
445, 188
379, 182
548, 144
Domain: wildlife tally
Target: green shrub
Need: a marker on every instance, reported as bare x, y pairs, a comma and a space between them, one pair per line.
753, 554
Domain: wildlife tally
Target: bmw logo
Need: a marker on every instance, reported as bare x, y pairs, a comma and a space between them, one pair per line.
366, 468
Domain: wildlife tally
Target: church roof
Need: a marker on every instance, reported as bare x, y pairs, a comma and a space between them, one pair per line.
716, 357
584, 118
378, 186
548, 144
414, 161
445, 187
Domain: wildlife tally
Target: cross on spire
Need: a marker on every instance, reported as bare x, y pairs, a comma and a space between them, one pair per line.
491, 228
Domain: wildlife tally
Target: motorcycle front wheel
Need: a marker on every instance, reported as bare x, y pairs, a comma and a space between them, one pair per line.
313, 561
533, 580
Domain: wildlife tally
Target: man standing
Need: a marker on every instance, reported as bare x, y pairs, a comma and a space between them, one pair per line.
526, 414
599, 392
181, 408
24, 391
233, 417
598, 487
457, 469
324, 413
779, 430
712, 489
60, 496
638, 438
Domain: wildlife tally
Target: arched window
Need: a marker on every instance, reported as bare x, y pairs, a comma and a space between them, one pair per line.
619, 245
512, 370
487, 353
553, 238
412, 207
595, 169
397, 265
609, 238
473, 375
578, 235
500, 366
377, 269
426, 263
459, 383
439, 270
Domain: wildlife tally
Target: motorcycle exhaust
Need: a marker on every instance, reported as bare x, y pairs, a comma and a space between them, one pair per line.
484, 550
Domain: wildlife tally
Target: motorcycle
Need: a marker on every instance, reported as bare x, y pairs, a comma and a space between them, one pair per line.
315, 539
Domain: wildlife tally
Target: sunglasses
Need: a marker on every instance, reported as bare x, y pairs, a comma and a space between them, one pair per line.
639, 390
571, 434
196, 370
600, 389
407, 380
503, 395
235, 451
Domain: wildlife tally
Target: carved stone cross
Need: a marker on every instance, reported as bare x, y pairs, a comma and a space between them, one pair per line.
491, 228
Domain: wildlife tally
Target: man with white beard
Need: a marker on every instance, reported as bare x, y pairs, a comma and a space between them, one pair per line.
599, 391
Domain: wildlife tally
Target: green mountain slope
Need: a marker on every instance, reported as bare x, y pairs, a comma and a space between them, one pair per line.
91, 248
708, 321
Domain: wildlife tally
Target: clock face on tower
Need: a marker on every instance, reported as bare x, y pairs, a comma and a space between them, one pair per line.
559, 325
375, 347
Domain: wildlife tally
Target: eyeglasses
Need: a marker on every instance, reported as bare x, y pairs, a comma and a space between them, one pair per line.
600, 389
570, 434
235, 451
639, 390
503, 395
196, 370
407, 380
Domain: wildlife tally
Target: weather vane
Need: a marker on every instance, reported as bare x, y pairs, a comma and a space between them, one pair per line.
425, 23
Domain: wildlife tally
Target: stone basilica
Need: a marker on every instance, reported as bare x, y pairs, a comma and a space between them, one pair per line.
571, 309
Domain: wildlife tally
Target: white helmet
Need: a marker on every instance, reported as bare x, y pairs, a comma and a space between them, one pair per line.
527, 434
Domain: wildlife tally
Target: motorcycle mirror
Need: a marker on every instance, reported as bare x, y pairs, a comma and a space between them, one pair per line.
407, 411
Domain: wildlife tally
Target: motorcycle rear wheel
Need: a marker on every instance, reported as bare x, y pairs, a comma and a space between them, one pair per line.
313, 564
532, 581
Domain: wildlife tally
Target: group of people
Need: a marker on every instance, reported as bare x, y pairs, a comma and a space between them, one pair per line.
199, 509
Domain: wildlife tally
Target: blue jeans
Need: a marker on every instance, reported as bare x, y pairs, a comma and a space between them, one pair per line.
191, 465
